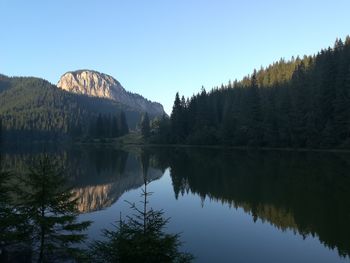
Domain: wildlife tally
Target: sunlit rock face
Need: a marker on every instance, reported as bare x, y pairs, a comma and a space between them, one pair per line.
95, 84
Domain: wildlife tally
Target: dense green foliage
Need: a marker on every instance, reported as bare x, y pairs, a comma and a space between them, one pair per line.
51, 212
34, 109
41, 218
297, 103
13, 226
140, 239
122, 124
106, 126
0, 130
145, 126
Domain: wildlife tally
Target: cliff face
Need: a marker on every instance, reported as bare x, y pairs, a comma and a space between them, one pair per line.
95, 84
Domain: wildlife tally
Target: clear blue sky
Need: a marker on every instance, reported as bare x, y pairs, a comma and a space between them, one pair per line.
157, 48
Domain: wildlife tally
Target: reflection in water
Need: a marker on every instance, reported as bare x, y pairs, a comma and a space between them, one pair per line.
96, 197
306, 192
111, 174
99, 175
99, 196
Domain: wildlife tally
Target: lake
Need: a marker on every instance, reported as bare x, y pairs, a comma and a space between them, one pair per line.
228, 205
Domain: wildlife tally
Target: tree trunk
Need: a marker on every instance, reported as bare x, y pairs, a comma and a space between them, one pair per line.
42, 238
145, 208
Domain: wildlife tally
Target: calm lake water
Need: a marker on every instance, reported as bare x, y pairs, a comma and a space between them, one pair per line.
229, 205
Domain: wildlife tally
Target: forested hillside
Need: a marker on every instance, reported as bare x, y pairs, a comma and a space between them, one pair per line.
33, 109
303, 102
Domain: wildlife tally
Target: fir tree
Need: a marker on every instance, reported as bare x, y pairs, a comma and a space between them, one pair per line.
145, 126
1, 133
254, 113
100, 129
178, 119
115, 127
123, 125
51, 211
13, 228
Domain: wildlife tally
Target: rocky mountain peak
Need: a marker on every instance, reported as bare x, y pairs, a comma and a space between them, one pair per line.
96, 84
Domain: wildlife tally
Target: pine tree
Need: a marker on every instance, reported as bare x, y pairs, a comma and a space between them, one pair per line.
341, 106
115, 127
269, 124
13, 228
179, 119
176, 118
100, 129
51, 211
254, 117
145, 126
300, 105
107, 131
163, 131
0, 130
123, 125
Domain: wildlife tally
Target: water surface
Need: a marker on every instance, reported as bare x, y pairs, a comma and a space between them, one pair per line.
229, 205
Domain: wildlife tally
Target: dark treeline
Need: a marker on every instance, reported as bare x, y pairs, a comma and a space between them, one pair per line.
103, 126
303, 102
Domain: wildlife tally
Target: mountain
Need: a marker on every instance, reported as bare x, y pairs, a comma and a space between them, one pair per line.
34, 109
96, 84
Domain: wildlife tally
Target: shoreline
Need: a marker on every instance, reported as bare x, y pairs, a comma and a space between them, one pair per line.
237, 147
118, 144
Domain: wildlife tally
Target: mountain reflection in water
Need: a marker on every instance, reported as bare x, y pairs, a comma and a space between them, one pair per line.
306, 192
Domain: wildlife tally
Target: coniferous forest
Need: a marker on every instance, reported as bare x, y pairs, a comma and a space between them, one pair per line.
33, 109
299, 103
